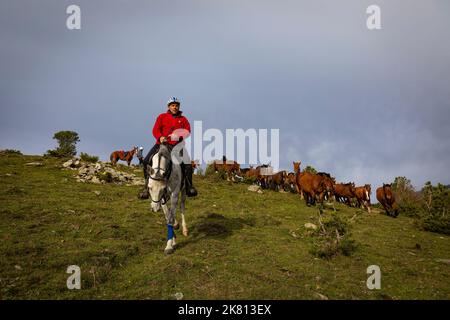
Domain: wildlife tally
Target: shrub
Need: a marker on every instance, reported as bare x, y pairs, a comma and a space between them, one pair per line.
332, 238
88, 158
406, 197
105, 176
211, 173
10, 152
249, 180
310, 169
435, 208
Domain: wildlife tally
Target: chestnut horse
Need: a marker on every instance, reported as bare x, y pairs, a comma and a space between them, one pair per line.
386, 197
122, 155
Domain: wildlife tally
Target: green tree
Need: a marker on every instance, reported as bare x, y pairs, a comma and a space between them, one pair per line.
406, 197
402, 184
67, 141
310, 169
403, 189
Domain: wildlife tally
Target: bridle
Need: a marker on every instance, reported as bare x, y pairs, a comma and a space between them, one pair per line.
164, 177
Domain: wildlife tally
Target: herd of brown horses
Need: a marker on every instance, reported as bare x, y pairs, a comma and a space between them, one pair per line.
312, 187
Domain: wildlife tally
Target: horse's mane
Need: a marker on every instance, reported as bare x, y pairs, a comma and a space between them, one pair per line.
164, 151
324, 174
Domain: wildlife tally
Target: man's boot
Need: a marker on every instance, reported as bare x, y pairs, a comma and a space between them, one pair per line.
190, 189
144, 194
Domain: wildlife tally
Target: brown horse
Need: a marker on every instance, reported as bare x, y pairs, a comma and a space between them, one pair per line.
329, 182
230, 167
363, 196
277, 180
260, 174
297, 172
290, 183
122, 155
311, 185
386, 197
344, 192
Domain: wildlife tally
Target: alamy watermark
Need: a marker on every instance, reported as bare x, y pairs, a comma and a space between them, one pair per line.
73, 21
373, 22
212, 144
374, 280
74, 280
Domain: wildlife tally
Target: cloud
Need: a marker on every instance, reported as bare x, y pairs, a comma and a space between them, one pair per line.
366, 106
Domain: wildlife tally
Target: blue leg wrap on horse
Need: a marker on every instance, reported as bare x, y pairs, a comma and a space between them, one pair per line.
170, 233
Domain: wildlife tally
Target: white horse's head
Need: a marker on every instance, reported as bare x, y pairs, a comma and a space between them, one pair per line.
158, 177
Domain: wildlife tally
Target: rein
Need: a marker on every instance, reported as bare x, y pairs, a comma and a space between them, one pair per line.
164, 178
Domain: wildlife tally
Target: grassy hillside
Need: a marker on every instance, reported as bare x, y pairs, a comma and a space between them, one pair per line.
242, 245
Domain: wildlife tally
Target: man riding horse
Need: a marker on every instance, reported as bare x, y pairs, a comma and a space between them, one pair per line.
163, 130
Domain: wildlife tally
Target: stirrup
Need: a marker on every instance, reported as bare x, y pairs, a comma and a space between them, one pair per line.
191, 192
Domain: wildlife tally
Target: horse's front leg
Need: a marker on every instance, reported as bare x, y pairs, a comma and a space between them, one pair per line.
170, 220
182, 208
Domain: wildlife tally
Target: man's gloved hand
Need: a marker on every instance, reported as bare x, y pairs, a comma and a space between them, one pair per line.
162, 139
173, 137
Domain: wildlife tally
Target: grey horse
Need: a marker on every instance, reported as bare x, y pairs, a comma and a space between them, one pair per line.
164, 184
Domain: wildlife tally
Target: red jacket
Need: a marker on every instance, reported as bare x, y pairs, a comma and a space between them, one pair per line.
167, 123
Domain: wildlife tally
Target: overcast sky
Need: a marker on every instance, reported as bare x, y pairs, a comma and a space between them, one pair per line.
366, 106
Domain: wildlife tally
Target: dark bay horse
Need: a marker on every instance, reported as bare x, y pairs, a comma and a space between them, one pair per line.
123, 155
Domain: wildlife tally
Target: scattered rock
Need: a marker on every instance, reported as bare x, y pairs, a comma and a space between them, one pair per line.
101, 173
36, 164
310, 226
294, 234
446, 261
254, 188
321, 296
96, 180
72, 163
178, 296
17, 267
97, 193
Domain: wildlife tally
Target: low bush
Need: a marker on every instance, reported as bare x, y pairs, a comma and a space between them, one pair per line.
10, 152
88, 158
332, 238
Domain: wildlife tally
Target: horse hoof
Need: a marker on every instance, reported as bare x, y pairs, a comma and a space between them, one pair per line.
185, 233
169, 251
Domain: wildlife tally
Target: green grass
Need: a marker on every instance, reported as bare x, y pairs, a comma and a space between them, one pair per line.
240, 244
